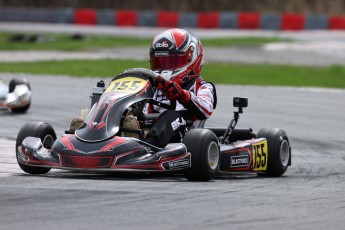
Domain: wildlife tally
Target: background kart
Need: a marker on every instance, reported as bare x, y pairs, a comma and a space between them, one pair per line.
112, 139
16, 96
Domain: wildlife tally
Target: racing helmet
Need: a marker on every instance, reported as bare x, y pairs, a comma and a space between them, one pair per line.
177, 55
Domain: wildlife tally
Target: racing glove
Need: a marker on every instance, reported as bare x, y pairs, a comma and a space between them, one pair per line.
173, 91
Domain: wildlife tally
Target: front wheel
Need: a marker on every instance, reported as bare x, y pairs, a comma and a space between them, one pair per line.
42, 130
205, 154
279, 151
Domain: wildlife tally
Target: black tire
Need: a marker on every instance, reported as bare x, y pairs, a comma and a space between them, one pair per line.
204, 148
42, 130
12, 86
279, 151
21, 109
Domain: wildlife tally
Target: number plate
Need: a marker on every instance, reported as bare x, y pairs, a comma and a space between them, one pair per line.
260, 156
129, 85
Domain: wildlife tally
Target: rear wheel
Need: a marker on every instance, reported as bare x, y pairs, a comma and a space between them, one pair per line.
12, 86
204, 149
42, 130
279, 151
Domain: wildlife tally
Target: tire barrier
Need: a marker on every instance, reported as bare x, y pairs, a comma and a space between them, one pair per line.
206, 20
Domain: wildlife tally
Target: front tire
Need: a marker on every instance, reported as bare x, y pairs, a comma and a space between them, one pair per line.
279, 151
42, 130
205, 154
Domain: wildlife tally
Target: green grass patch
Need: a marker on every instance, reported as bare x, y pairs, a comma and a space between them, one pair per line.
65, 42
241, 74
241, 41
78, 68
273, 75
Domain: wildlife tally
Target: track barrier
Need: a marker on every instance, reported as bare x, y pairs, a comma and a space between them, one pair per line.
208, 20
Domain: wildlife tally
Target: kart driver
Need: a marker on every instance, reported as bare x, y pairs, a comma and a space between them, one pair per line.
177, 55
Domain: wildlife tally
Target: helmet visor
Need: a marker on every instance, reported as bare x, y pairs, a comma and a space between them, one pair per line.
170, 61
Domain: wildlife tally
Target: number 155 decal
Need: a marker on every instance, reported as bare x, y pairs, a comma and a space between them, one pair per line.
128, 85
260, 156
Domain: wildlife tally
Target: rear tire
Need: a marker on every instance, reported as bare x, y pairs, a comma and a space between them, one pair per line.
42, 130
12, 86
205, 154
279, 151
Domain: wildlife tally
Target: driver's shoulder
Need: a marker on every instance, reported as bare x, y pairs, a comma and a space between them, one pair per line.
203, 84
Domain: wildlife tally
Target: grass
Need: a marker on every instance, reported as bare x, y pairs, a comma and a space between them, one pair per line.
221, 73
242, 41
65, 42
91, 42
282, 75
224, 73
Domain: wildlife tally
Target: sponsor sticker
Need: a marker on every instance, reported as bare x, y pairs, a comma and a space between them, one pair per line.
163, 44
241, 161
161, 53
177, 123
179, 164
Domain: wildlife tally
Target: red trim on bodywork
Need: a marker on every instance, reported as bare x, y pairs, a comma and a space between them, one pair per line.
86, 162
30, 160
66, 141
158, 165
119, 156
246, 149
115, 141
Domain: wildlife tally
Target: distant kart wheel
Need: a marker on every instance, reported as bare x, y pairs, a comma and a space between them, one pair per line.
205, 154
279, 151
42, 130
12, 86
21, 109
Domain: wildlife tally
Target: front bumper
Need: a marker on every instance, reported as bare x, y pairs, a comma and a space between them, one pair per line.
171, 158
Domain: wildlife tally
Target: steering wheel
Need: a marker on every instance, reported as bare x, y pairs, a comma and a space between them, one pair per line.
149, 73
153, 77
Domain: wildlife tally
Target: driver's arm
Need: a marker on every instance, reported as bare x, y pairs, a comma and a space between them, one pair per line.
200, 100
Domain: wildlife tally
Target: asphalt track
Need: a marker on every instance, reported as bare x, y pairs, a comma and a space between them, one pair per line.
309, 196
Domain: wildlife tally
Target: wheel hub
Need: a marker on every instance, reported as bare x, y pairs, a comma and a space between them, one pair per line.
48, 142
284, 153
213, 155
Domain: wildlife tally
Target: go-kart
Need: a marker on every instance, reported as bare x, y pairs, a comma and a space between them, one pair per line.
16, 96
107, 142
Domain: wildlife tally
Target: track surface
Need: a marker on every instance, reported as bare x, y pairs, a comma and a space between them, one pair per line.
309, 196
